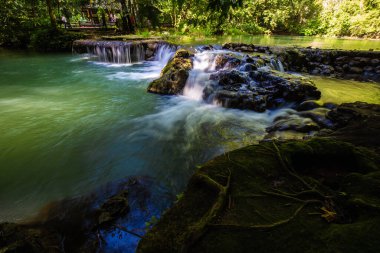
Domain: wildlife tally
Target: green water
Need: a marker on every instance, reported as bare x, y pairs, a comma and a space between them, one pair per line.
69, 125
345, 91
279, 40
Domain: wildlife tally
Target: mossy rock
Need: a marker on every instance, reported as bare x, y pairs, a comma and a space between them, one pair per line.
319, 195
174, 75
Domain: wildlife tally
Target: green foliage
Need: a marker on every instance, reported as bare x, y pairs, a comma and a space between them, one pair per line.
53, 40
20, 19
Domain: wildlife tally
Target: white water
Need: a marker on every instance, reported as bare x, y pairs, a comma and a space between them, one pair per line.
204, 65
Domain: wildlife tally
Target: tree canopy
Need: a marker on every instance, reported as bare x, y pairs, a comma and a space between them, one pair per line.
19, 18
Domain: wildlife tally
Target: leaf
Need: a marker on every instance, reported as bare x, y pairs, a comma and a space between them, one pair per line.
329, 214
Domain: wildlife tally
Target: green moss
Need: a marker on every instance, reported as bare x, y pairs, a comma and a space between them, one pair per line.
273, 202
174, 75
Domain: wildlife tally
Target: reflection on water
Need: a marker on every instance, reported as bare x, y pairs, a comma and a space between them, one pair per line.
345, 91
281, 40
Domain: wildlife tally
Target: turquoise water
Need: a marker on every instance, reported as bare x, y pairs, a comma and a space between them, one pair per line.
70, 125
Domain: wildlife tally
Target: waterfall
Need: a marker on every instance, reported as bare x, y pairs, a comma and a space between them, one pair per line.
117, 51
276, 64
125, 52
164, 52
203, 65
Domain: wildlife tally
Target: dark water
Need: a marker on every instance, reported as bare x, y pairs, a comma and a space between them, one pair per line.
69, 125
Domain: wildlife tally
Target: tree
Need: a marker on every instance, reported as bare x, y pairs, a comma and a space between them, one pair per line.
53, 20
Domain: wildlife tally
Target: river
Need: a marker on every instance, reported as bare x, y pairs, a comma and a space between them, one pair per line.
70, 124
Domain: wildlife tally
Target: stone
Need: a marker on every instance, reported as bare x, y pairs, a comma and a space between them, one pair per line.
174, 76
293, 196
307, 105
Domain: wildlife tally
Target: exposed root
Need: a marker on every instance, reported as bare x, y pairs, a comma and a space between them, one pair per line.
363, 203
286, 166
312, 192
264, 226
198, 229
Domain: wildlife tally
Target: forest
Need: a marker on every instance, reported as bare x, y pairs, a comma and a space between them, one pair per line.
23, 21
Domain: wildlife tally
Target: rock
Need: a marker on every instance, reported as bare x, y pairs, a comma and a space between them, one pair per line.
357, 123
259, 197
174, 75
230, 77
226, 61
148, 53
307, 105
329, 105
294, 123
267, 89
319, 116
114, 208
356, 70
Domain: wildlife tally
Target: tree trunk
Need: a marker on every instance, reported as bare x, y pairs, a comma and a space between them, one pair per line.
53, 22
127, 25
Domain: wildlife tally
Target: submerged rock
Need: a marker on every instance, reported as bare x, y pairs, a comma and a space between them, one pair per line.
76, 225
174, 75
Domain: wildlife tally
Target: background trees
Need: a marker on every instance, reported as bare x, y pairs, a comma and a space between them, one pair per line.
20, 18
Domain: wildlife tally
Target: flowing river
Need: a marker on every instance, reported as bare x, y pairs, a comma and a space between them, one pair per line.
70, 124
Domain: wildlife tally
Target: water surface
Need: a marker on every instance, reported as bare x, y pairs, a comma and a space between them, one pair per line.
282, 40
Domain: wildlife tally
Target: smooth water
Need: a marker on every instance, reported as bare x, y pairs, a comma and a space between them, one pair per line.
282, 40
70, 124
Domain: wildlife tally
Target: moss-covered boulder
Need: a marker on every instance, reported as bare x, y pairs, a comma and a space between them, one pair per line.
174, 76
319, 195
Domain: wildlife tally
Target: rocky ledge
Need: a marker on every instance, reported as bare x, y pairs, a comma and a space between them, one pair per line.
247, 82
319, 195
259, 89
349, 64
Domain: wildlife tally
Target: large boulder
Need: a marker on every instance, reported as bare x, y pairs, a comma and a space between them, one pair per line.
174, 76
315, 196
258, 90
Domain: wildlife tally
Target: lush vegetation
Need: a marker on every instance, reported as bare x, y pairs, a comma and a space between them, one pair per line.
20, 20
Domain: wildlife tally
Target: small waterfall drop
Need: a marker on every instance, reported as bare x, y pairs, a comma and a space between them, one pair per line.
276, 64
164, 52
203, 66
118, 52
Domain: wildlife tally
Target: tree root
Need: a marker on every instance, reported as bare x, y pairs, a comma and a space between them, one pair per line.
363, 203
287, 167
264, 226
198, 229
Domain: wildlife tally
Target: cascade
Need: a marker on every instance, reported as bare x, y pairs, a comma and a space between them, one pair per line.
276, 64
124, 52
203, 66
118, 52
164, 52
